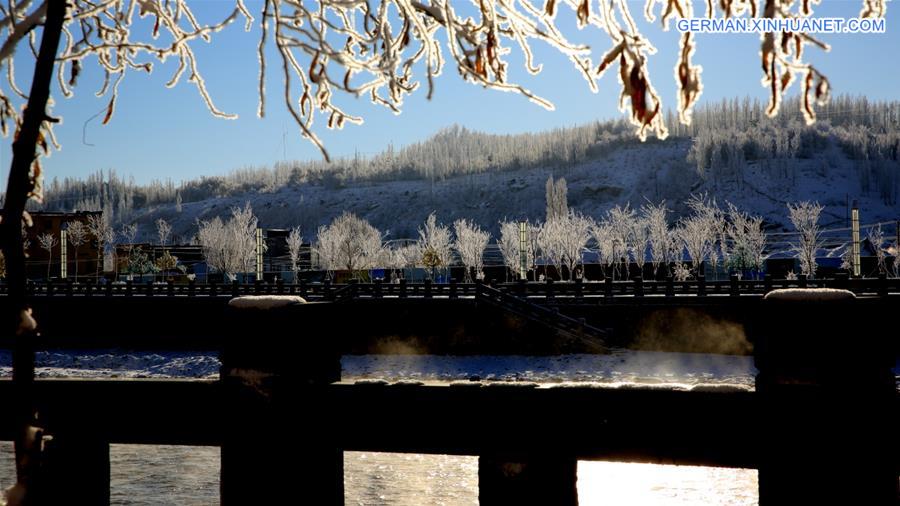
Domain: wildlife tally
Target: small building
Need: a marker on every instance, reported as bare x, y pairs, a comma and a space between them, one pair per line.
81, 261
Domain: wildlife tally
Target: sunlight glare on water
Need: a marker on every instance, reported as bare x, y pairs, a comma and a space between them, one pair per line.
618, 484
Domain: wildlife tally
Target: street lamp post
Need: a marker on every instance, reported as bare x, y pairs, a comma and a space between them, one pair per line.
63, 250
523, 253
854, 217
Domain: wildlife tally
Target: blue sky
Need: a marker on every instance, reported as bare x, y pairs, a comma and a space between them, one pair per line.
161, 133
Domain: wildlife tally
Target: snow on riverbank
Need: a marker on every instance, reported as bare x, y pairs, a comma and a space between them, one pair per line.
675, 370
118, 364
631, 368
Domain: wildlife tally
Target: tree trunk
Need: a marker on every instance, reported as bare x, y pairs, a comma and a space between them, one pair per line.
18, 321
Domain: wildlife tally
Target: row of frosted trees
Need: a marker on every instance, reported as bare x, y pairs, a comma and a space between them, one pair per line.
642, 237
645, 237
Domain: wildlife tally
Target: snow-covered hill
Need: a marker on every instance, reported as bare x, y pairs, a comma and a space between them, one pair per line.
632, 174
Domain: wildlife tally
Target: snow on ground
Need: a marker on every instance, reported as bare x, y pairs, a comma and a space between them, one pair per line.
663, 370
118, 364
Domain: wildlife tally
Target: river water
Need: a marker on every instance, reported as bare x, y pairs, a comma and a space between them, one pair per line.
165, 475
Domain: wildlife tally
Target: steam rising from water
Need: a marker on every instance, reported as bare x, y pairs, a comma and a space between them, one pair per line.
691, 330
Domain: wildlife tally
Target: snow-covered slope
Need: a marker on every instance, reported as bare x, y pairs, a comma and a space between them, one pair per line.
631, 174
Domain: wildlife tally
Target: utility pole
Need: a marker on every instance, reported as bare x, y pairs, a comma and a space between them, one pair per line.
523, 252
854, 216
259, 254
63, 255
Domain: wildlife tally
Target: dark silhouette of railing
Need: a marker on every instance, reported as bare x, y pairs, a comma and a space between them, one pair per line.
283, 417
635, 287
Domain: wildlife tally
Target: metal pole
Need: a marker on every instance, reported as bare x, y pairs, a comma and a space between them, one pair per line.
63, 256
854, 214
259, 254
523, 253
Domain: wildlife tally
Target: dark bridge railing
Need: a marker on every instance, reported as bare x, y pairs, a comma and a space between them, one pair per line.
578, 289
820, 427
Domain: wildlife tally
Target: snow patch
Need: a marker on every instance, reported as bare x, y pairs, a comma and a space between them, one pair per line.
810, 294
265, 301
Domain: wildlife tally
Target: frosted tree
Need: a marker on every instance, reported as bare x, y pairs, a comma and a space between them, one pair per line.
294, 243
470, 243
562, 242
163, 231
99, 227
242, 229
229, 247
708, 211
805, 218
178, 205
875, 237
603, 241
435, 244
620, 223
557, 198
47, 242
696, 236
213, 241
574, 236
77, 235
128, 235
349, 243
745, 241
640, 237
700, 231
660, 237
509, 246
401, 257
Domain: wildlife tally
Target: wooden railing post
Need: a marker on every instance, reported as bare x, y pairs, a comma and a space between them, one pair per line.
192, 287
170, 288
402, 293
579, 288
269, 381
638, 282
608, 287
670, 286
213, 288
767, 283
801, 280
377, 288
453, 294
701, 285
734, 285
882, 285
149, 285
427, 293
549, 289
235, 288
128, 287
827, 411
